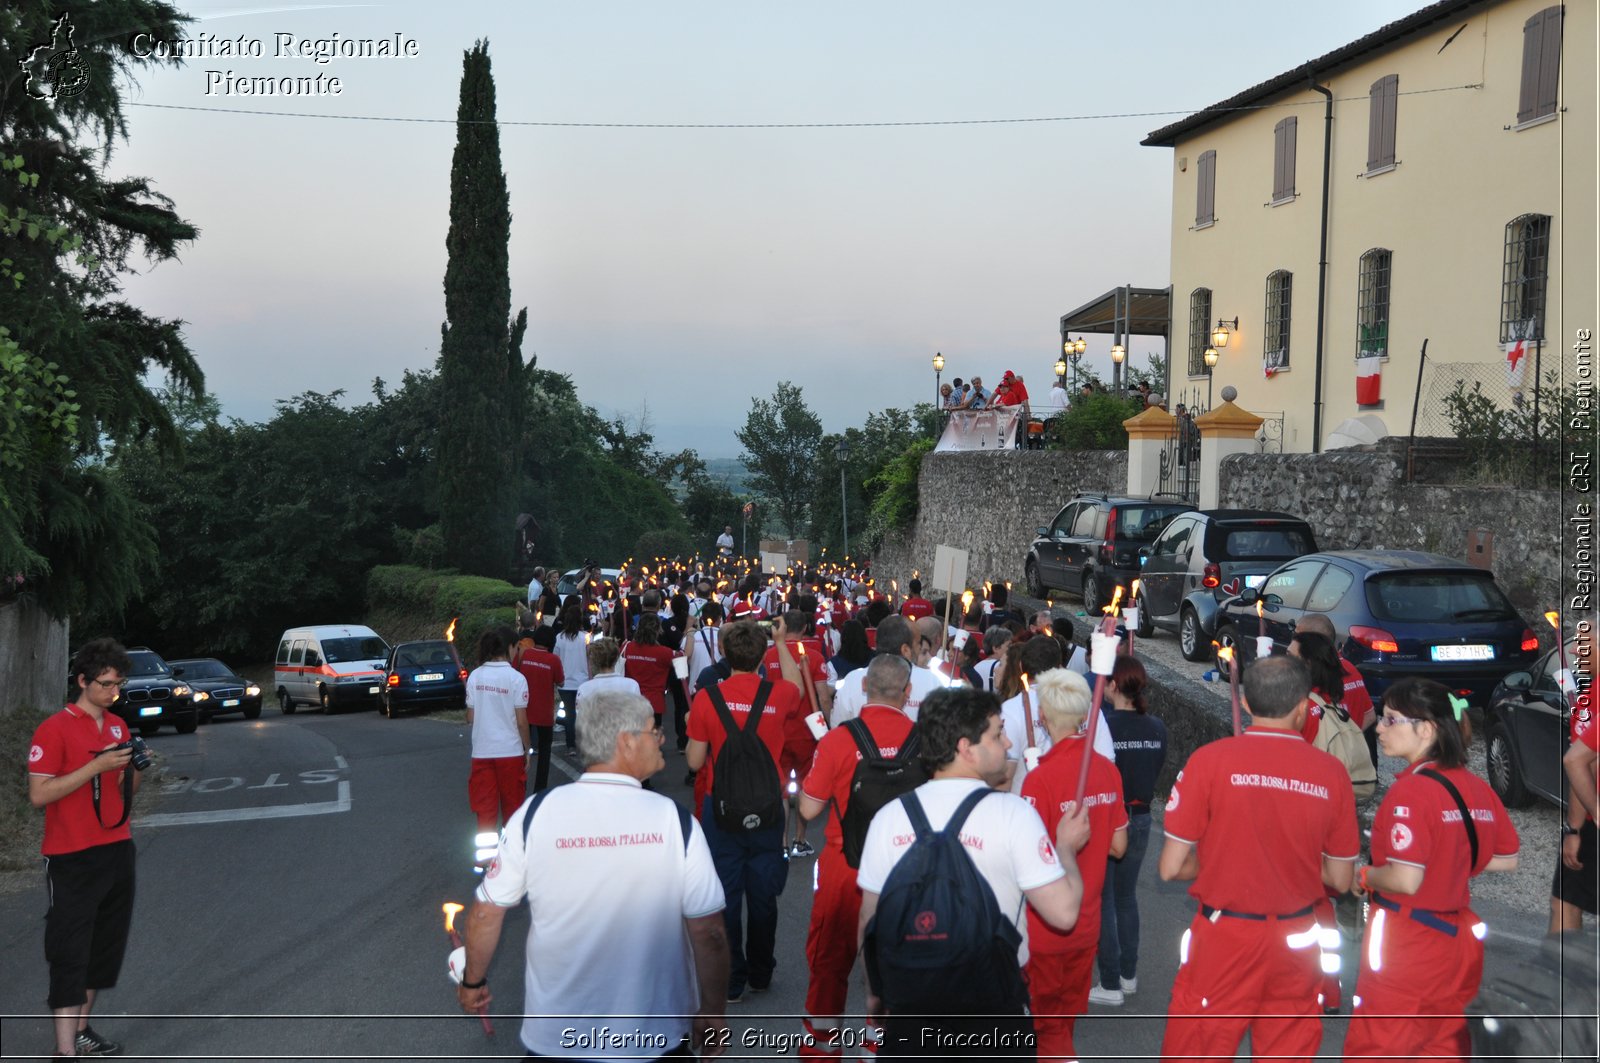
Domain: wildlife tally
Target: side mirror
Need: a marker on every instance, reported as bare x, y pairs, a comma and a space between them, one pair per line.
1144, 554
1042, 532
1249, 596
1518, 681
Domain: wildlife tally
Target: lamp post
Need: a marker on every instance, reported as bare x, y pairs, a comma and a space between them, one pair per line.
1211, 363
1118, 353
1073, 349
842, 452
938, 368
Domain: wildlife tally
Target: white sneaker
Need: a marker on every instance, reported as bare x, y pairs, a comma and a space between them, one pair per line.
1109, 997
1130, 986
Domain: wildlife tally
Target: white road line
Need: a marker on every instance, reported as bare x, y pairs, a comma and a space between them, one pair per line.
341, 763
559, 762
229, 815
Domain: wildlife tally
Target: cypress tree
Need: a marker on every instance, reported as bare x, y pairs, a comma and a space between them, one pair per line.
479, 352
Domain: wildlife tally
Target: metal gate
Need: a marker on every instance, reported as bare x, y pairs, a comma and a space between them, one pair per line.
1179, 473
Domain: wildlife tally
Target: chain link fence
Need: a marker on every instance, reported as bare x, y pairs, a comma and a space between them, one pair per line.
1472, 422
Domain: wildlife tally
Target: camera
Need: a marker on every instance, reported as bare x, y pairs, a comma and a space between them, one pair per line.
141, 752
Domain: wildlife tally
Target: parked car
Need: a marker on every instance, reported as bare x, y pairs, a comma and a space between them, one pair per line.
1093, 545
1527, 725
423, 675
218, 690
568, 583
1206, 556
332, 666
154, 696
1398, 612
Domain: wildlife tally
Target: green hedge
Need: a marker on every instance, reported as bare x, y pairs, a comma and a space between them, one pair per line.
479, 602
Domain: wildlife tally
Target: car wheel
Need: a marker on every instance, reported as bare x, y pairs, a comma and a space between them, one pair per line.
1192, 637
1227, 637
286, 703
1036, 585
205, 717
148, 730
188, 725
327, 701
1505, 773
1147, 624
1091, 594
253, 712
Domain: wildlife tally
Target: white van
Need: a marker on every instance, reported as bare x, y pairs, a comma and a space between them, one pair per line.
333, 665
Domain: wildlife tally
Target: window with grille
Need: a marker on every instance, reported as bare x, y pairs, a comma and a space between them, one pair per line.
1205, 204
1372, 304
1525, 278
1279, 293
1199, 329
1541, 64
1283, 148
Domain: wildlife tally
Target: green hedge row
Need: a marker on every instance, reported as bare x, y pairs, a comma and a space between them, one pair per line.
478, 601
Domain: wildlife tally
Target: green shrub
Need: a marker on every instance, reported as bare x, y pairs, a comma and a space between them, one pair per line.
893, 493
663, 542
1094, 423
476, 602
1506, 444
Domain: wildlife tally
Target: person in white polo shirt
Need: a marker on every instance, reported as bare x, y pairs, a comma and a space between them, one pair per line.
497, 712
625, 906
895, 636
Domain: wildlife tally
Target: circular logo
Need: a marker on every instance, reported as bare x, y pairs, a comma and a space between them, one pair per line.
1047, 852
751, 822
925, 922
116, 732
35, 754
1400, 837
1172, 800
494, 868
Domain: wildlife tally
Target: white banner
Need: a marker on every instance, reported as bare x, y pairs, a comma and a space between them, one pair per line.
994, 429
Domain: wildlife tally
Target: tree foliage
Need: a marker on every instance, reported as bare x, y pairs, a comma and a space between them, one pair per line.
781, 437
884, 436
1094, 423
480, 349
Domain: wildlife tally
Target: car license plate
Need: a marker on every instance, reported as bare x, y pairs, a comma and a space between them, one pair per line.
231, 703
1254, 581
150, 710
1463, 653
430, 677
372, 690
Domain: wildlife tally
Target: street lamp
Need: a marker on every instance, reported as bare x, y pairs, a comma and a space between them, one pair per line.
1211, 363
842, 452
1073, 349
938, 367
1118, 353
1061, 370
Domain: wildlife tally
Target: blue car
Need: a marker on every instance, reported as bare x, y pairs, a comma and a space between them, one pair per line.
1395, 613
424, 675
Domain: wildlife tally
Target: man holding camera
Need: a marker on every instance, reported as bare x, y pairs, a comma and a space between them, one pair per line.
80, 771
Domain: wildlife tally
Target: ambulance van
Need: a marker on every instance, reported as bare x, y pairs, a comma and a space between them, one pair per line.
334, 666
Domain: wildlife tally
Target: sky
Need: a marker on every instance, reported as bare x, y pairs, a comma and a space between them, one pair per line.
677, 273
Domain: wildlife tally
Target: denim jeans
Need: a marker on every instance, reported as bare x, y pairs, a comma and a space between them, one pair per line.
569, 701
1119, 907
753, 872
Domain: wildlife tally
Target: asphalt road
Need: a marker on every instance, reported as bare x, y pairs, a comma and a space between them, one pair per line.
291, 872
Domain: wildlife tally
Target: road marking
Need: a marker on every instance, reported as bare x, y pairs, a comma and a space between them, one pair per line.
229, 815
341, 763
561, 765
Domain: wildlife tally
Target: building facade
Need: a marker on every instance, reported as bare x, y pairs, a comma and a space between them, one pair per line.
1453, 153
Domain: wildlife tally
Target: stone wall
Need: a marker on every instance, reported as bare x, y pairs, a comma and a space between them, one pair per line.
989, 503
1358, 499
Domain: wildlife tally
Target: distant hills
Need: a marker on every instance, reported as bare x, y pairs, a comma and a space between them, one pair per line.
729, 470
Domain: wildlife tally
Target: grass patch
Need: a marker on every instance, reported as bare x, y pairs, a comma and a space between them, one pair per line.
21, 825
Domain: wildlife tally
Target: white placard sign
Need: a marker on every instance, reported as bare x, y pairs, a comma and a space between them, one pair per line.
949, 569
774, 562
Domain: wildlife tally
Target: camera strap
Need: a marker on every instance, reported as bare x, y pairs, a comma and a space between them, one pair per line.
127, 799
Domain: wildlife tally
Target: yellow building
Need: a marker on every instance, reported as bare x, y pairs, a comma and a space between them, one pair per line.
1459, 189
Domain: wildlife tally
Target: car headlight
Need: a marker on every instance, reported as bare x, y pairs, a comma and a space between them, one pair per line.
253, 691
201, 695
180, 691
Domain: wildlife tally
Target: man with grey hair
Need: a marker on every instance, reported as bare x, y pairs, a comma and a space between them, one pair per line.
608, 862
896, 637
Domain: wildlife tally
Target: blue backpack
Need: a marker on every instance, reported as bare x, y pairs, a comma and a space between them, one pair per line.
938, 943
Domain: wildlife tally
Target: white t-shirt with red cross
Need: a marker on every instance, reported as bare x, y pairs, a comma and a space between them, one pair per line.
851, 697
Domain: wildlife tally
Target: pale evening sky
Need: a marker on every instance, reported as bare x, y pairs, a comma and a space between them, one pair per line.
691, 269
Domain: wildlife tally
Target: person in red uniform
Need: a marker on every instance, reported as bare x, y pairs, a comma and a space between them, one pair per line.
1574, 888
801, 633
1260, 823
536, 660
1061, 963
648, 663
85, 783
751, 865
1422, 957
1357, 700
916, 606
836, 900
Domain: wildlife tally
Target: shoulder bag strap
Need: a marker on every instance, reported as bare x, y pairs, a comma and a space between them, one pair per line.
914, 812
1466, 813
753, 721
863, 737
721, 705
684, 826
527, 818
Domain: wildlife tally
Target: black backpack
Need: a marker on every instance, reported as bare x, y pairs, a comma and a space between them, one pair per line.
745, 795
877, 781
938, 943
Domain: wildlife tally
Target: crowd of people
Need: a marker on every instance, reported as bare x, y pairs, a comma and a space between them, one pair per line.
985, 819
971, 395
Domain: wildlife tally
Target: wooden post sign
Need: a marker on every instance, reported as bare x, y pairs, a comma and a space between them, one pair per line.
949, 569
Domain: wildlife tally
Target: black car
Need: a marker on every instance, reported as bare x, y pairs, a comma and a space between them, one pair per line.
154, 696
1206, 556
1527, 726
1397, 613
217, 689
423, 675
1093, 546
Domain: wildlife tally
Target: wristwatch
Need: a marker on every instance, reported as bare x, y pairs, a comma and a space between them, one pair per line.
1567, 828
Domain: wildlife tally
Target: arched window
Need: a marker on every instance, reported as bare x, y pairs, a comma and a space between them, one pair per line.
1275, 353
1199, 329
1372, 303
1524, 278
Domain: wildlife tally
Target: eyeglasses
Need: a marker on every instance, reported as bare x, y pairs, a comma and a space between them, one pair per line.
109, 684
1390, 721
655, 732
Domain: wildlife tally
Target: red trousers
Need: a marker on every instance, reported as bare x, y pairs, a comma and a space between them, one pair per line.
1414, 983
1058, 992
1238, 975
831, 939
496, 788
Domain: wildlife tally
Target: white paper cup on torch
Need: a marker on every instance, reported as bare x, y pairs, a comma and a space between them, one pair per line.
819, 726
1130, 617
1263, 647
1103, 653
1030, 757
959, 639
457, 964
680, 667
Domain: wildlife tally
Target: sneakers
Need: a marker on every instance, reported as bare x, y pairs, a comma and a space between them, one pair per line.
735, 996
92, 1044
760, 988
1130, 986
802, 848
1112, 998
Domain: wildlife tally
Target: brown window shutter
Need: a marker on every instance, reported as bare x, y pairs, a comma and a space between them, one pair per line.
1283, 158
1532, 46
1205, 204
1391, 100
1549, 62
1375, 125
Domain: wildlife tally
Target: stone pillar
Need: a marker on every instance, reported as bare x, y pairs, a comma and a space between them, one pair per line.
1225, 430
1148, 435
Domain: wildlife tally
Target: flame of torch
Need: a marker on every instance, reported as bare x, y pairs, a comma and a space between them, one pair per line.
1261, 619
1554, 618
450, 632
1116, 602
450, 909
966, 600
1225, 653
1134, 595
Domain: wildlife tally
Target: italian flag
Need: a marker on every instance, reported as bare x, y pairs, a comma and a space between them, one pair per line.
1369, 379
